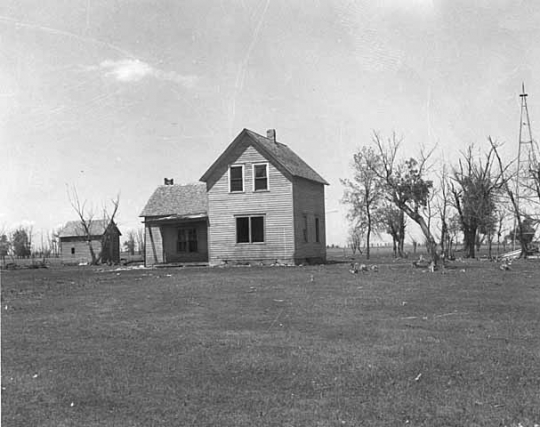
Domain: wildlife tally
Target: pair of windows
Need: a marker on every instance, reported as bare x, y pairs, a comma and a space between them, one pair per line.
260, 178
250, 229
187, 240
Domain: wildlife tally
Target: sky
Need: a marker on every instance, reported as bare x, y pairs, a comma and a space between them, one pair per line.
111, 96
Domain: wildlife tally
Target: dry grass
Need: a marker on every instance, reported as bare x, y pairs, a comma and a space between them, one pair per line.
298, 346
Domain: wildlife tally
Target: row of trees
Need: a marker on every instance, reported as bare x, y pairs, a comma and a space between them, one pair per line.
470, 199
21, 243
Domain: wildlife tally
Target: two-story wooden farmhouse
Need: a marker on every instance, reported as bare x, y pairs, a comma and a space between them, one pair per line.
261, 203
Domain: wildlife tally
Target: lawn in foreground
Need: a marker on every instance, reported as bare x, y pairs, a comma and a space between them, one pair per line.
272, 346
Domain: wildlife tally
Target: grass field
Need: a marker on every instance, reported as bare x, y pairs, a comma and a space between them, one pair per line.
272, 346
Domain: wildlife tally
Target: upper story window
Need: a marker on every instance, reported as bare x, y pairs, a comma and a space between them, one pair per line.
260, 177
236, 178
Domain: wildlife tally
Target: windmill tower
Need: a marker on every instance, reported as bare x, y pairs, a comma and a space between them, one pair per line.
526, 162
526, 156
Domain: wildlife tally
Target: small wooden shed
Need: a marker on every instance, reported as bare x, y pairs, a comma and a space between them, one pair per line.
104, 238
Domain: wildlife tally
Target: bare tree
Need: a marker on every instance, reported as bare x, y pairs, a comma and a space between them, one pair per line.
442, 206
500, 224
53, 237
47, 245
534, 173
527, 175
130, 242
140, 239
86, 217
454, 229
356, 238
519, 216
54, 241
407, 186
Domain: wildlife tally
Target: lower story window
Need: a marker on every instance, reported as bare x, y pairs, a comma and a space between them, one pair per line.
250, 229
187, 240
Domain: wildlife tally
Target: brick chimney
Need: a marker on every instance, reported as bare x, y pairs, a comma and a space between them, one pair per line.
271, 135
167, 181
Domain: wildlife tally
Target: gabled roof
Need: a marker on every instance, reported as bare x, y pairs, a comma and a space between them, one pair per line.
75, 228
178, 201
279, 154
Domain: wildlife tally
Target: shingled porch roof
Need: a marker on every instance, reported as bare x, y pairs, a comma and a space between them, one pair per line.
177, 201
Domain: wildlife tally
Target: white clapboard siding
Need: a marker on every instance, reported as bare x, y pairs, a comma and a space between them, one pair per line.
82, 251
275, 204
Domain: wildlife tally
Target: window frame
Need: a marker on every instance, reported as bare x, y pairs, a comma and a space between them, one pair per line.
188, 233
305, 227
243, 179
254, 177
250, 218
317, 230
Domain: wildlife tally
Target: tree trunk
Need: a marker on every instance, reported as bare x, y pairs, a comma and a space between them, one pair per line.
444, 239
368, 239
431, 244
401, 235
93, 257
469, 240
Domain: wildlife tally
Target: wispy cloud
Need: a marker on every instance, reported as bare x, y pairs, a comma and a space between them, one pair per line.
134, 70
